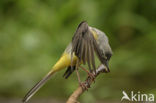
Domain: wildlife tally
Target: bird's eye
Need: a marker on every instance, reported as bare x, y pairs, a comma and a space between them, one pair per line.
108, 55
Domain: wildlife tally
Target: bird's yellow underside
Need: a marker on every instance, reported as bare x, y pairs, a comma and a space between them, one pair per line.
64, 62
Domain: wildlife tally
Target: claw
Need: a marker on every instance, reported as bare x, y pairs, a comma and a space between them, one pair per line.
92, 77
83, 86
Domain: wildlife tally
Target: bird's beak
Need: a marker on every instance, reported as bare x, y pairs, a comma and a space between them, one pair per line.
107, 66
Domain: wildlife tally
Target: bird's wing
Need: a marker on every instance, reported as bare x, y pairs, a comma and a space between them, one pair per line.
84, 45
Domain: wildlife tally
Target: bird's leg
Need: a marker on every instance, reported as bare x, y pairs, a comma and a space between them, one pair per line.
91, 75
81, 83
79, 80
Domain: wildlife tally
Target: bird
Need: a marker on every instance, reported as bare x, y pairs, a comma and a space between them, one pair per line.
86, 42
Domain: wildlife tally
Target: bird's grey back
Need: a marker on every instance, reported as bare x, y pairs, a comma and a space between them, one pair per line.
102, 41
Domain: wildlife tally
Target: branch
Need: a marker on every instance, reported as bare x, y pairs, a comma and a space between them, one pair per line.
76, 94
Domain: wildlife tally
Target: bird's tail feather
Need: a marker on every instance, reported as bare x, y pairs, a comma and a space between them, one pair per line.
63, 62
37, 86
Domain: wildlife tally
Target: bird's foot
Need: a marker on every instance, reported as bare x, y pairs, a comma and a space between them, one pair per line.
83, 86
91, 76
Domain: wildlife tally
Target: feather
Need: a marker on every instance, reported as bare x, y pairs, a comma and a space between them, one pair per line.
83, 45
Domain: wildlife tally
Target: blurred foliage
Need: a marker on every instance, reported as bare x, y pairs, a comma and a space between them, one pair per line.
33, 35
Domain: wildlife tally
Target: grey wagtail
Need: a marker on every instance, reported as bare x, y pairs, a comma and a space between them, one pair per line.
86, 42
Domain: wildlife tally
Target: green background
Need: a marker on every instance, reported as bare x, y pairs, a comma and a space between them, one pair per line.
34, 34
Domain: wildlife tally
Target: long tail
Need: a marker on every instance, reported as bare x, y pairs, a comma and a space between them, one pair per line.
37, 86
63, 62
